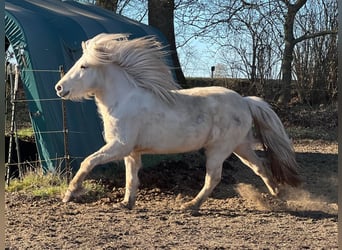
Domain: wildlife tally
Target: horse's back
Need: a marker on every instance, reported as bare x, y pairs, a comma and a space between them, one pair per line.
225, 111
207, 91
214, 99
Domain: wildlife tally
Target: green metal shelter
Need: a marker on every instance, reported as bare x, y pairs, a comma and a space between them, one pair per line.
45, 35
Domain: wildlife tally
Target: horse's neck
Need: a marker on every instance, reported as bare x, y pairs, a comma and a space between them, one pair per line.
114, 89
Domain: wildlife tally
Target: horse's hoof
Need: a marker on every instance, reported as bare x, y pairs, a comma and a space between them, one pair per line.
67, 196
189, 206
274, 191
123, 206
281, 194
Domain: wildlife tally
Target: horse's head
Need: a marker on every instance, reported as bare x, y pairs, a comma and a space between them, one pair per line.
140, 63
79, 82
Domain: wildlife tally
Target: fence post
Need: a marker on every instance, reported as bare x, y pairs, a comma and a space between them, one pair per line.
13, 128
212, 71
65, 135
15, 89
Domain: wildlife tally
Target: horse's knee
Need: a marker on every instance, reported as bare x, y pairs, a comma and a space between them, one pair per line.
213, 177
217, 179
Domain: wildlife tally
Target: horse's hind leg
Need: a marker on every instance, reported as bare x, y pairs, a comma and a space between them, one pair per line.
247, 155
212, 178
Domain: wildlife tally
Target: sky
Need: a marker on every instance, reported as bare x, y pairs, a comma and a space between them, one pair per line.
199, 63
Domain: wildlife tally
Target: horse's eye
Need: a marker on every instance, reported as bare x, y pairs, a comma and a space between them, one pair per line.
84, 67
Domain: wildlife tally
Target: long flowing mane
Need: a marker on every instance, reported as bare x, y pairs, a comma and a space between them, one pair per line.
143, 59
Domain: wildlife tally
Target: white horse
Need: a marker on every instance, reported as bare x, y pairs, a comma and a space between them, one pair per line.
144, 112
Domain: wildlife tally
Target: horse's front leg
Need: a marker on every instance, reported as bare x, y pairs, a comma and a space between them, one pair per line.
132, 164
109, 152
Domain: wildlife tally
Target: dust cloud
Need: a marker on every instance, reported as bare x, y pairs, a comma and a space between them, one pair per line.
293, 199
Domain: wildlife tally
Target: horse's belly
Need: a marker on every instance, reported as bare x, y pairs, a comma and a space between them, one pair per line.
170, 147
172, 138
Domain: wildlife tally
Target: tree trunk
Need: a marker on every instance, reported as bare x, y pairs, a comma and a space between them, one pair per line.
290, 41
111, 5
286, 70
161, 16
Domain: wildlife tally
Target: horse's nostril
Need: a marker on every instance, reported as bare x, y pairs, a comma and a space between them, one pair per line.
59, 88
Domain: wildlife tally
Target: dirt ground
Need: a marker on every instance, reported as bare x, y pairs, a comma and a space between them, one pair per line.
240, 214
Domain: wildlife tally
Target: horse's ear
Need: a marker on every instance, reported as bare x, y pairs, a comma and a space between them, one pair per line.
83, 45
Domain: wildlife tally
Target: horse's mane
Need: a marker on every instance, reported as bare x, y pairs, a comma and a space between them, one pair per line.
141, 58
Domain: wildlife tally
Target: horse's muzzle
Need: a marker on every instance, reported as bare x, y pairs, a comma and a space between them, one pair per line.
61, 92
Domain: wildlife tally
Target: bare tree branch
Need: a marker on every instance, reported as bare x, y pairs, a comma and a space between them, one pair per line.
314, 35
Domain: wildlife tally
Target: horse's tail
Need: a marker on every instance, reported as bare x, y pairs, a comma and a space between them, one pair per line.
277, 145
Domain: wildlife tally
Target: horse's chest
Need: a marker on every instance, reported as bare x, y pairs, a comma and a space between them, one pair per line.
110, 127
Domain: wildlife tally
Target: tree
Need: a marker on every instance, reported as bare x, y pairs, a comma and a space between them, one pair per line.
111, 5
289, 43
315, 60
244, 31
161, 16
260, 38
272, 26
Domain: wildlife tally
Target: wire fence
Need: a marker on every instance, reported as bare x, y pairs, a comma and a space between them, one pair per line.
13, 79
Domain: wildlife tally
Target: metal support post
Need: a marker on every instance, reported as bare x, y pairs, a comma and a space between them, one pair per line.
65, 135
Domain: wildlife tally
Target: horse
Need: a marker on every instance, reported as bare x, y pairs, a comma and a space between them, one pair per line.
144, 111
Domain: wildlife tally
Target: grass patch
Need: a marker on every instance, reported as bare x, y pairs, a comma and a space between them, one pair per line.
93, 190
39, 184
52, 185
25, 132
